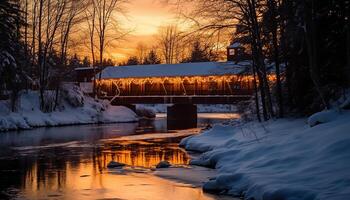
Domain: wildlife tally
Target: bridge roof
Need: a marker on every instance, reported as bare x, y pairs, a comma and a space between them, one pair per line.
175, 70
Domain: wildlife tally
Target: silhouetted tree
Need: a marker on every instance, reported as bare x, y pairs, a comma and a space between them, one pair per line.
11, 50
198, 54
306, 41
151, 58
133, 60
74, 62
86, 62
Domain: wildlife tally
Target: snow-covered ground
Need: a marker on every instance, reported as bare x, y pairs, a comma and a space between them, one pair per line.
74, 109
286, 159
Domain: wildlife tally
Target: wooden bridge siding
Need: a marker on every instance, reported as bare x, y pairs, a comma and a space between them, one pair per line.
125, 100
212, 88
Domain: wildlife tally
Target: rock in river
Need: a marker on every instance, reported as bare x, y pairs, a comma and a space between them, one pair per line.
114, 164
163, 164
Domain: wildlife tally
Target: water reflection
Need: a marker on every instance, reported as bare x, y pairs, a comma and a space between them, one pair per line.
70, 163
62, 171
146, 154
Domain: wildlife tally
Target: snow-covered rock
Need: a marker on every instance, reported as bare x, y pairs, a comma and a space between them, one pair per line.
73, 95
322, 117
284, 159
346, 104
147, 112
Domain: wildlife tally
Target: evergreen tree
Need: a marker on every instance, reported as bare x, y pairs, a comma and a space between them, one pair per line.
133, 60
75, 62
86, 62
314, 45
107, 63
198, 54
11, 71
152, 58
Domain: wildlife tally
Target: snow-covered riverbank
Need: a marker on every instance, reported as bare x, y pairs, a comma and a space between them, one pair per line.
284, 159
85, 110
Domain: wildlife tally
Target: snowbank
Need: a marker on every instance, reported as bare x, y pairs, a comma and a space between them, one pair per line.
284, 159
73, 109
204, 142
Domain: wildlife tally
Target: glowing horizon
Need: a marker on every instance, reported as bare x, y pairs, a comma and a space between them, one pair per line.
144, 17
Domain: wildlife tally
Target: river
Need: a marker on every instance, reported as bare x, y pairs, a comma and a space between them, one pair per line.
71, 162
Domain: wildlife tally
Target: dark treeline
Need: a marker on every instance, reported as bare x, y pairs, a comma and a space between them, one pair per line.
306, 41
181, 48
150, 59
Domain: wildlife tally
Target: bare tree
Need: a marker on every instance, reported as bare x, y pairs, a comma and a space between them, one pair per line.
34, 8
52, 23
101, 18
72, 17
26, 53
141, 51
91, 22
169, 42
104, 20
218, 15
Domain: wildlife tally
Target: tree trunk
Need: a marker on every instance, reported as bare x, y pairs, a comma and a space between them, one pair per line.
347, 71
260, 77
33, 38
259, 58
274, 27
310, 35
40, 59
257, 106
26, 39
93, 50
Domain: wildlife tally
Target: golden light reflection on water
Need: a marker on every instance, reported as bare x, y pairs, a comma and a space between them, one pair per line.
85, 175
140, 159
114, 186
71, 163
144, 154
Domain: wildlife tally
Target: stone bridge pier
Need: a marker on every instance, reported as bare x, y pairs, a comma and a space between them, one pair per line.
181, 116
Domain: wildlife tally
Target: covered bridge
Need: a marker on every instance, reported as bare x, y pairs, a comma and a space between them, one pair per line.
184, 79
183, 85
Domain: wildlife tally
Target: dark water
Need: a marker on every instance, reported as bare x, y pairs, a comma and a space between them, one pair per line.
70, 162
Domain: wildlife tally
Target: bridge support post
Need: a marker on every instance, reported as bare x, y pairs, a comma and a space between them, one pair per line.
181, 116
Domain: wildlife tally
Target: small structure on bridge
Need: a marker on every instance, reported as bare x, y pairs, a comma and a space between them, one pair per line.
236, 52
184, 79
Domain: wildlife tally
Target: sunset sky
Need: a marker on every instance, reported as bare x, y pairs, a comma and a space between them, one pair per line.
143, 19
